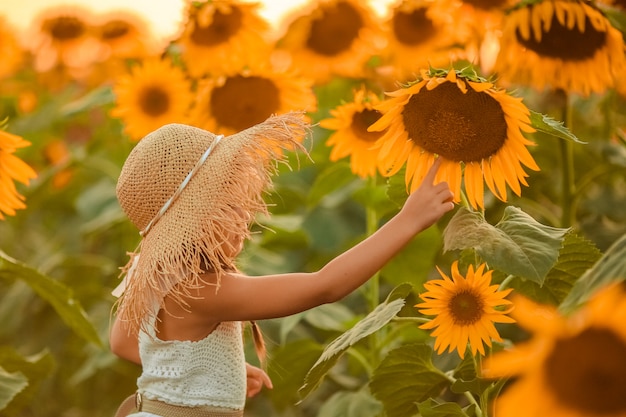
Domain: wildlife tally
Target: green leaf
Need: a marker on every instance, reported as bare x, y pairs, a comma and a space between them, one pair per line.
335, 177
405, 377
96, 98
35, 369
332, 317
611, 267
551, 127
518, 245
11, 384
351, 404
575, 257
381, 315
432, 408
60, 297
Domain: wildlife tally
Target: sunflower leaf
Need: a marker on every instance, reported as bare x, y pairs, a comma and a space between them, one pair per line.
518, 245
432, 408
405, 377
611, 267
11, 384
380, 316
58, 295
552, 127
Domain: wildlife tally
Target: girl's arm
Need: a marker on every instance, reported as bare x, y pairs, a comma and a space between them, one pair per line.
123, 344
253, 298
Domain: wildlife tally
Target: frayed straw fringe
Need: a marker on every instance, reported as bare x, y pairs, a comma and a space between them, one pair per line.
182, 246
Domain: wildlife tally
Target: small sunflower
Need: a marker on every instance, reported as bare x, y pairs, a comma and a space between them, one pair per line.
231, 103
222, 36
12, 169
537, 39
417, 38
332, 37
10, 50
63, 37
124, 35
467, 122
351, 137
153, 94
465, 310
573, 366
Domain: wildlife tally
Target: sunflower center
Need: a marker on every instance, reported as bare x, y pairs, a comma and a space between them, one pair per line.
588, 372
460, 127
154, 101
243, 102
466, 307
221, 29
65, 28
487, 4
115, 29
413, 28
335, 30
361, 121
566, 44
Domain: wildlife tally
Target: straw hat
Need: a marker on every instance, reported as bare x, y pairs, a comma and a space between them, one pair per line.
187, 190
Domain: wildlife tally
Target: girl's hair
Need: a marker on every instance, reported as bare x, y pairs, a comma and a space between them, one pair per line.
259, 343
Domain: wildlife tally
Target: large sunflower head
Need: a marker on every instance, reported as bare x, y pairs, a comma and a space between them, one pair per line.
538, 39
475, 128
350, 122
63, 36
222, 35
238, 100
418, 37
332, 37
155, 93
573, 366
12, 169
465, 310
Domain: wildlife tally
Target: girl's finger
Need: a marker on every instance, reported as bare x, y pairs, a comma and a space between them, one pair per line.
429, 178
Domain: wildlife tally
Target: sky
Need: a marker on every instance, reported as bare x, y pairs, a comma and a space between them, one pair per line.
164, 16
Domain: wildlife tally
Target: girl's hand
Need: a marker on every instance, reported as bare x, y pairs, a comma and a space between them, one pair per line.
255, 380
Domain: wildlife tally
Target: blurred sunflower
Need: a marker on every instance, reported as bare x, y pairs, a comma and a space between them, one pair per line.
417, 38
467, 122
222, 36
124, 35
62, 36
572, 366
10, 50
537, 39
332, 37
154, 93
465, 310
351, 137
12, 169
58, 155
231, 103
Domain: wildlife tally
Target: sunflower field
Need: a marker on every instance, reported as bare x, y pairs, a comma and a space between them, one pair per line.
513, 304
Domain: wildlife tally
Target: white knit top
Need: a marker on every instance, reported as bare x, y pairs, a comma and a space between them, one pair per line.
211, 371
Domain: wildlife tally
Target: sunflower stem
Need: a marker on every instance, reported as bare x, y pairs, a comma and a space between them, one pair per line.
567, 165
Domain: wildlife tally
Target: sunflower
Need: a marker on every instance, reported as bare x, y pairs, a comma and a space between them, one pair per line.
572, 366
124, 35
351, 138
467, 122
10, 50
62, 37
12, 169
222, 35
465, 310
536, 47
233, 102
332, 37
417, 38
153, 94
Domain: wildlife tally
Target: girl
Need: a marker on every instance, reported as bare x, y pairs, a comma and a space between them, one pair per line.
192, 195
